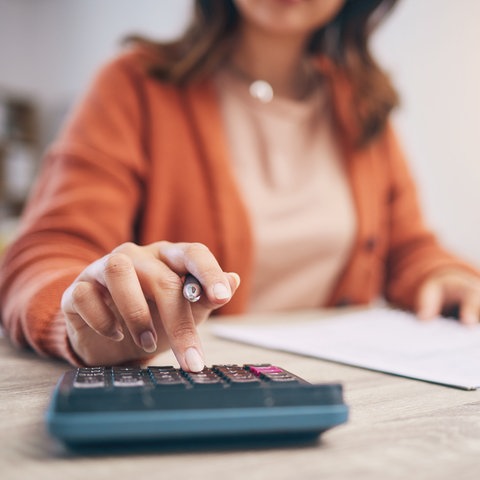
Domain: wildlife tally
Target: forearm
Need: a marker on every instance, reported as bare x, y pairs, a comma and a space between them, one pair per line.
35, 271
30, 308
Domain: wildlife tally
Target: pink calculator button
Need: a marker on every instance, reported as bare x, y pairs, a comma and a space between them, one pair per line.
267, 369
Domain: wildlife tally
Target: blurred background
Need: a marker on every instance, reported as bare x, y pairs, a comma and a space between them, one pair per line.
50, 49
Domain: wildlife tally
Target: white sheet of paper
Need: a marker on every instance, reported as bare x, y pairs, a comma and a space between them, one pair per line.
440, 351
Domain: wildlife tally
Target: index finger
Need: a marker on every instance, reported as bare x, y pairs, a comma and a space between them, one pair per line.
175, 319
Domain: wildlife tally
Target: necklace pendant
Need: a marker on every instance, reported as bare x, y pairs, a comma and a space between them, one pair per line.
261, 91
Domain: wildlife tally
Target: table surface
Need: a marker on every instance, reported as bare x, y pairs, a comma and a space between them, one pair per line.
398, 428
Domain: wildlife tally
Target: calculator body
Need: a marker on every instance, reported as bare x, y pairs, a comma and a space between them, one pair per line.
111, 405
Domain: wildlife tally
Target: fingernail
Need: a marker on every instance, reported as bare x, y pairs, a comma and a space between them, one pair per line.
117, 336
426, 314
470, 319
147, 341
236, 276
423, 315
194, 360
221, 292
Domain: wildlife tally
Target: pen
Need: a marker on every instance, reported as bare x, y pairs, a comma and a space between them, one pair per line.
192, 290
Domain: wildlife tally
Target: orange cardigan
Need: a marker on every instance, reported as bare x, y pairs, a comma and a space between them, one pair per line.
143, 161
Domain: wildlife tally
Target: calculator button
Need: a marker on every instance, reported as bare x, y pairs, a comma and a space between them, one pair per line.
167, 377
235, 381
168, 380
89, 372
281, 378
89, 382
90, 377
236, 375
207, 377
128, 382
127, 377
272, 373
259, 369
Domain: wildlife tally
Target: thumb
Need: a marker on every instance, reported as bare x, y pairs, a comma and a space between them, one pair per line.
430, 300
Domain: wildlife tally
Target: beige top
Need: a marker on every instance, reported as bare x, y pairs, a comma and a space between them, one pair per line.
291, 173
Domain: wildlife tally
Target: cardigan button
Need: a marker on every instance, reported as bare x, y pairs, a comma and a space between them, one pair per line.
370, 244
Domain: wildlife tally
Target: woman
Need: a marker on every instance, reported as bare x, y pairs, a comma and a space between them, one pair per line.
259, 143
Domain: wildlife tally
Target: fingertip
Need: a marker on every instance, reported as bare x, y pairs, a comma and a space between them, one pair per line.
424, 315
147, 341
235, 279
194, 360
117, 336
427, 310
430, 301
469, 318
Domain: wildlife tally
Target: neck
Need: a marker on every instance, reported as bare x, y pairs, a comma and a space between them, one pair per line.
279, 60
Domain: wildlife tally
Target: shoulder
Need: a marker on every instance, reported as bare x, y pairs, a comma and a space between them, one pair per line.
134, 71
133, 63
124, 84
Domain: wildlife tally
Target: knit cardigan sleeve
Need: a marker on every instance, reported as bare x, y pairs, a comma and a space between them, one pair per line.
414, 251
84, 204
395, 249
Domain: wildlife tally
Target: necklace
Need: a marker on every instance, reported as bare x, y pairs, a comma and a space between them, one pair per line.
263, 91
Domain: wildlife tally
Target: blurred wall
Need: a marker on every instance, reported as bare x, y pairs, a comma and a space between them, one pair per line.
431, 49
49, 49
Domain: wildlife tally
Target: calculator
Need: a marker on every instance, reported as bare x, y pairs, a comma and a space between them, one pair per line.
107, 405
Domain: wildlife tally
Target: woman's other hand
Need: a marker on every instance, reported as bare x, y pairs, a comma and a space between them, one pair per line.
448, 289
129, 304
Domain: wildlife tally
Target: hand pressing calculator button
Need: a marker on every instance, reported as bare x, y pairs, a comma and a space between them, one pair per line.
96, 405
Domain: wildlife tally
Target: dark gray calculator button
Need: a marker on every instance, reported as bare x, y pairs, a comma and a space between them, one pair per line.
89, 382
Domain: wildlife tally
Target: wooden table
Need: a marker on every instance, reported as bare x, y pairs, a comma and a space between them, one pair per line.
399, 428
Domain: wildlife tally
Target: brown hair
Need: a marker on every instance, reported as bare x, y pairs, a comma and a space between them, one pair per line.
344, 40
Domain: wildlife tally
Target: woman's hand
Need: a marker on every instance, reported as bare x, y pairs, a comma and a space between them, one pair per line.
450, 288
130, 303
